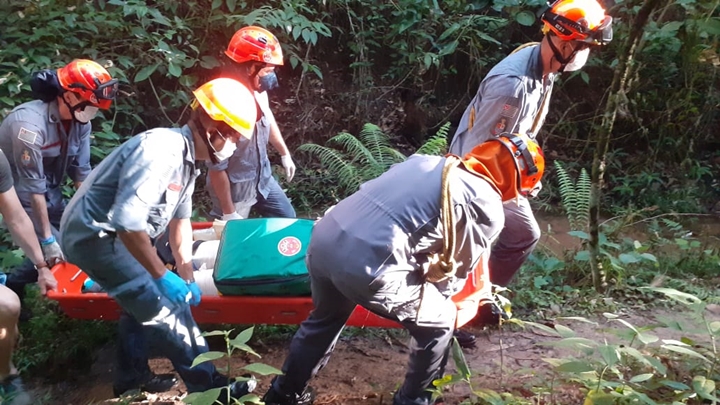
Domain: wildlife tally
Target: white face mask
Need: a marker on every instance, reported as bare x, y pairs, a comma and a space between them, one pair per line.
578, 61
227, 150
86, 114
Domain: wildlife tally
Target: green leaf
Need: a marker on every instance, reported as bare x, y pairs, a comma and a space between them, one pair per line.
582, 256
460, 362
246, 349
564, 331
574, 367
174, 70
609, 354
627, 258
714, 327
209, 62
262, 369
243, 337
672, 26
525, 18
679, 296
675, 385
647, 338
250, 398
216, 4
203, 398
231, 5
641, 377
705, 388
577, 318
543, 328
145, 72
580, 234
207, 356
215, 333
685, 350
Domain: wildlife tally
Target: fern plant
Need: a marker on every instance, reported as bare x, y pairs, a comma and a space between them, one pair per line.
575, 197
355, 160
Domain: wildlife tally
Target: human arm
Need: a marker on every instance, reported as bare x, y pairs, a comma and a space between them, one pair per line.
497, 108
139, 245
220, 183
79, 168
181, 240
21, 228
277, 141
150, 175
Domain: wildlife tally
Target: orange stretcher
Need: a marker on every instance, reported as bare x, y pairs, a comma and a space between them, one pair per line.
245, 310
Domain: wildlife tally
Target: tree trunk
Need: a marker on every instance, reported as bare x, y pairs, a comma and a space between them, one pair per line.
617, 99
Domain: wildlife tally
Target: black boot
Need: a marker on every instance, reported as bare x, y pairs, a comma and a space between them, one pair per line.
273, 397
465, 339
152, 383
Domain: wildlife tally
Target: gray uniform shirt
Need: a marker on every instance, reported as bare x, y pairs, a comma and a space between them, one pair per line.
41, 153
380, 238
140, 186
508, 100
249, 168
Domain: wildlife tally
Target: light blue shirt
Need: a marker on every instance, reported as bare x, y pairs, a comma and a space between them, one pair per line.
508, 100
41, 153
140, 186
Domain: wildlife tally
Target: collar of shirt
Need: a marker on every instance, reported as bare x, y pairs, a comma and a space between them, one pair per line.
53, 112
189, 145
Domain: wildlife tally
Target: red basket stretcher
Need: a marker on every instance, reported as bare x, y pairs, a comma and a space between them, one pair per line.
245, 309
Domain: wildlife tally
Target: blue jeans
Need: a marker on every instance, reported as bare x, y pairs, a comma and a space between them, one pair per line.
276, 204
167, 326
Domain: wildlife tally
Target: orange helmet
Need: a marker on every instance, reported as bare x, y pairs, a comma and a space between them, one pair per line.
90, 80
254, 44
229, 101
529, 159
578, 20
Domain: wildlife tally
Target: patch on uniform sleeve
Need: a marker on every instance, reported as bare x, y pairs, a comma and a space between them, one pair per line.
27, 135
500, 126
509, 111
25, 157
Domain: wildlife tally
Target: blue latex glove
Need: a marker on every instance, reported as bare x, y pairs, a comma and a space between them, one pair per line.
196, 294
174, 288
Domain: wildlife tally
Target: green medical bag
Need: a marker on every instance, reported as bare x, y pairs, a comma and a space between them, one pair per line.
263, 256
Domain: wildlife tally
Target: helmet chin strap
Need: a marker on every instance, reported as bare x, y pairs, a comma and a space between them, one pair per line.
559, 57
202, 134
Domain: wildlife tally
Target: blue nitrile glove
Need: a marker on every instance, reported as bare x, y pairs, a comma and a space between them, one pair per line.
174, 288
196, 294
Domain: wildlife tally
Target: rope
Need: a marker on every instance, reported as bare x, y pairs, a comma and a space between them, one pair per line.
443, 265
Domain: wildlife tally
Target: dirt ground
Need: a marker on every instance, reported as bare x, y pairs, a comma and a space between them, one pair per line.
368, 364
367, 367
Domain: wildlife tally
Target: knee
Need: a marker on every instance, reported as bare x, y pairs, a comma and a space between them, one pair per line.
9, 306
520, 231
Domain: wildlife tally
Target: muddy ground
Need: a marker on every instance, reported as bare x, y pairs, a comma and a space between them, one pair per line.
368, 364
366, 367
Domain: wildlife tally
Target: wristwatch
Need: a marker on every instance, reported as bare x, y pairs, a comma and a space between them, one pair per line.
41, 265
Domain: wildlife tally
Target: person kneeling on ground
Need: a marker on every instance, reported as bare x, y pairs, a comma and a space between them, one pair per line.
20, 226
384, 248
142, 188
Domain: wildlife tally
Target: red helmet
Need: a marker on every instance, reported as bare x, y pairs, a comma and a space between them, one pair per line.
254, 44
579, 20
89, 80
529, 159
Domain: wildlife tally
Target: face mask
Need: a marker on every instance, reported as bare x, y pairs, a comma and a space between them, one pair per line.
578, 61
227, 150
268, 82
85, 115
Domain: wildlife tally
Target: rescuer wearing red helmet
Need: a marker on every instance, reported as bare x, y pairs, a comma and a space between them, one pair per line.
514, 97
245, 181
